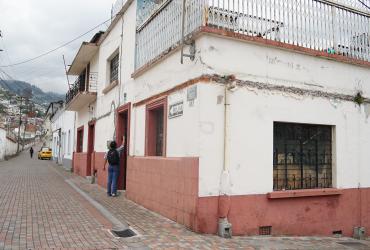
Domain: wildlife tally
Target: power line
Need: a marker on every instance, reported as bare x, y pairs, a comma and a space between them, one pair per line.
57, 48
364, 4
7, 54
6, 74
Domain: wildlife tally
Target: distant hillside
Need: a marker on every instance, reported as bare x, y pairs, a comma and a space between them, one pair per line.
38, 96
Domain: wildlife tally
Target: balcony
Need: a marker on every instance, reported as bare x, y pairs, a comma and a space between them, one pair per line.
329, 27
83, 92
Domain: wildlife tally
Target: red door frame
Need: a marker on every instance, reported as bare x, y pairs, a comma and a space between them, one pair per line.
149, 129
80, 139
123, 124
90, 146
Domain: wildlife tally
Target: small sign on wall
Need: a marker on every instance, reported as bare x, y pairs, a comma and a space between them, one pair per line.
192, 93
176, 110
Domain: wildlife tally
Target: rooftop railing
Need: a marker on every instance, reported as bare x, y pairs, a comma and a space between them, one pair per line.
334, 27
116, 8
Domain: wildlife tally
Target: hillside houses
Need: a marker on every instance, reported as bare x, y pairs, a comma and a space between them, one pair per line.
249, 116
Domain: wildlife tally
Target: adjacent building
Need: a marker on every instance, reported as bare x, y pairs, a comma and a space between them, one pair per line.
62, 127
249, 113
8, 145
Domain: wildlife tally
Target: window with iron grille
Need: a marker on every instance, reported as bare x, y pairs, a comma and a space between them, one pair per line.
302, 156
114, 64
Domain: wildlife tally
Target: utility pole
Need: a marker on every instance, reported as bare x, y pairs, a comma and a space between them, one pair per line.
65, 68
1, 35
24, 132
20, 122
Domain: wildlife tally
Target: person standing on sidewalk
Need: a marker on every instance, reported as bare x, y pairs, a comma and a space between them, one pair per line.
113, 158
31, 152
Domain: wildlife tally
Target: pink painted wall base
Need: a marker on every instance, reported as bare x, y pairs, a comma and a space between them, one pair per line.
303, 216
80, 164
98, 166
168, 186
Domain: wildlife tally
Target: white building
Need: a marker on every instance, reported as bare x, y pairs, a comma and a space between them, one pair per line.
265, 123
8, 146
62, 127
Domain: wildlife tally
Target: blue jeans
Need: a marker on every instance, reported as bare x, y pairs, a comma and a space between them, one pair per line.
112, 179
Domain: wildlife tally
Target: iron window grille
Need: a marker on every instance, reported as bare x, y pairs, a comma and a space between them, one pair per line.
302, 156
114, 64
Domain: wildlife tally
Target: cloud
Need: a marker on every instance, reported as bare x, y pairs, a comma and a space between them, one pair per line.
31, 28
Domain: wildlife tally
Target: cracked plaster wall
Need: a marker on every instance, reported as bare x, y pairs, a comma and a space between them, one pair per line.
259, 63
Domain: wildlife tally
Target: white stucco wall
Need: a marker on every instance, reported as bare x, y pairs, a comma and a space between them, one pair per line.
2, 143
65, 122
138, 131
186, 143
11, 148
248, 61
7, 147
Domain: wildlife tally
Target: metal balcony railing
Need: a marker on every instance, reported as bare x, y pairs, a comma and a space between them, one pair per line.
334, 27
83, 85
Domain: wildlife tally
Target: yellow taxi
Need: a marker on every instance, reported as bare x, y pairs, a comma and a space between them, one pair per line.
45, 153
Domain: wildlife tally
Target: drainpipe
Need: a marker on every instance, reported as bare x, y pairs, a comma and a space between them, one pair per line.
191, 55
59, 157
120, 65
224, 201
119, 83
74, 140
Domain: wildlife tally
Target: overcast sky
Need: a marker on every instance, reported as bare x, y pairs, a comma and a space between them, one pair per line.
32, 27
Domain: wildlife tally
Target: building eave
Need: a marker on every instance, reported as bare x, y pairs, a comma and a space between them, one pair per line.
83, 57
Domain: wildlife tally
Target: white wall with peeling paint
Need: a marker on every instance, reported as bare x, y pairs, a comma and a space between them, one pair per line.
251, 117
248, 61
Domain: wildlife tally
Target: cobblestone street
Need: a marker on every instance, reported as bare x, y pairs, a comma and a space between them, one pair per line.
40, 210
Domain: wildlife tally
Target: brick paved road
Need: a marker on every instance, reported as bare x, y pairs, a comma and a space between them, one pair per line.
38, 209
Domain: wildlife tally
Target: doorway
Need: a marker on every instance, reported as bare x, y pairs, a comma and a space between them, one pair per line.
80, 139
123, 129
90, 146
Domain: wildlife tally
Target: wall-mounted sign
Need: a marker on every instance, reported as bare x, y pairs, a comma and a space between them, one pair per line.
176, 110
192, 93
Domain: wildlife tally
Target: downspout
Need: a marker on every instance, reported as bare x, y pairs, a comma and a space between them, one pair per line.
74, 141
59, 157
119, 84
120, 64
224, 201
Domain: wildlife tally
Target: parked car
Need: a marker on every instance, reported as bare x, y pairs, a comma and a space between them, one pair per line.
45, 153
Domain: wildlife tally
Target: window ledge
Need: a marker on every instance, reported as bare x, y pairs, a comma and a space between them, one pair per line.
304, 193
110, 87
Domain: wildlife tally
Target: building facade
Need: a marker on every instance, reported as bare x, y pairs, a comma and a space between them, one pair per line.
63, 133
253, 113
8, 146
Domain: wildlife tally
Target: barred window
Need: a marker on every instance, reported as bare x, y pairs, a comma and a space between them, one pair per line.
302, 156
114, 64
